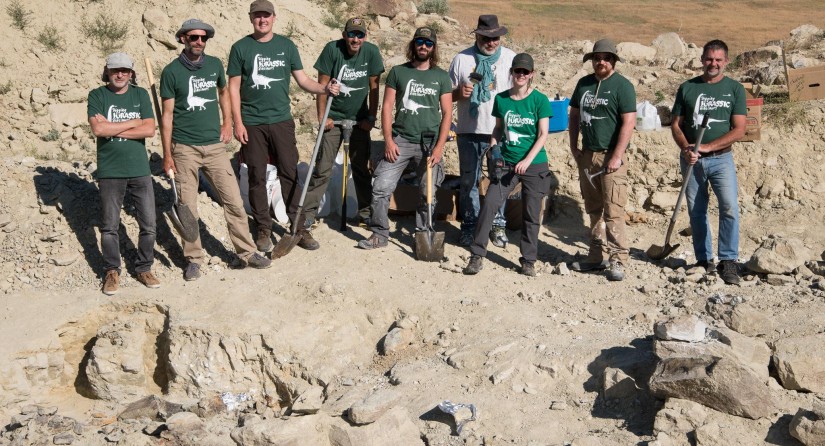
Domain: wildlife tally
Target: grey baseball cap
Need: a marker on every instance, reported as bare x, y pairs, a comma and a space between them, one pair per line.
193, 24
603, 46
119, 60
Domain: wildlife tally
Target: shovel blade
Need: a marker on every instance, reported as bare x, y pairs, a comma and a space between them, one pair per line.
187, 231
656, 252
429, 246
285, 245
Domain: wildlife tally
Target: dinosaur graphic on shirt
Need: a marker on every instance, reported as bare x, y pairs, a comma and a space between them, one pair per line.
259, 80
707, 103
195, 101
407, 103
346, 91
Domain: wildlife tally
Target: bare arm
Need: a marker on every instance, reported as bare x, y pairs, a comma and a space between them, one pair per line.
310, 86
235, 105
390, 150
225, 102
372, 101
443, 129
496, 136
625, 132
103, 128
321, 101
573, 122
166, 134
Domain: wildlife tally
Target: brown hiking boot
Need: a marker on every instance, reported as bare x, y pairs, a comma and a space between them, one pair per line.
148, 279
307, 241
375, 241
264, 240
111, 282
258, 261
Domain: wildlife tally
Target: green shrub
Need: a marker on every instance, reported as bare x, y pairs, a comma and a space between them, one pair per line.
334, 21
51, 135
435, 26
50, 38
20, 18
107, 33
439, 7
291, 30
5, 88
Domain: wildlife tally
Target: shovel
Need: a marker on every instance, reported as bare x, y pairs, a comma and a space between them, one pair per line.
181, 216
660, 252
346, 130
429, 245
288, 241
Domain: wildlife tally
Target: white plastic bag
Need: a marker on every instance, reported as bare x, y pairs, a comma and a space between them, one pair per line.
647, 117
331, 202
273, 191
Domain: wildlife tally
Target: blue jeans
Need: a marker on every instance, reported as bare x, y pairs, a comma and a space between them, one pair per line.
720, 173
471, 149
112, 193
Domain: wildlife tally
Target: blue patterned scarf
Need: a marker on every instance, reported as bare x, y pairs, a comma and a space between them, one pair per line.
484, 67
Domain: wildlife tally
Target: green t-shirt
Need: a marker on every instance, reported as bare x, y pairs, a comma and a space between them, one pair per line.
265, 69
417, 100
121, 157
601, 115
196, 120
520, 119
353, 72
722, 99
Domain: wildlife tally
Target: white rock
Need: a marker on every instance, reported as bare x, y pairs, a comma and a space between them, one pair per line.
683, 328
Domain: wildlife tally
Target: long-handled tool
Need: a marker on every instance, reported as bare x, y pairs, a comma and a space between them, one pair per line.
288, 241
346, 133
182, 218
429, 245
660, 252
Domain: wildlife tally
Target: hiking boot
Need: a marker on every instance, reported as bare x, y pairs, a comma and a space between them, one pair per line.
375, 241
707, 265
148, 279
258, 261
729, 272
616, 271
264, 240
499, 237
466, 239
307, 241
111, 282
192, 272
475, 265
583, 267
528, 269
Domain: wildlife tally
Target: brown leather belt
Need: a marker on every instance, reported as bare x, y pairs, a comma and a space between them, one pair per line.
716, 153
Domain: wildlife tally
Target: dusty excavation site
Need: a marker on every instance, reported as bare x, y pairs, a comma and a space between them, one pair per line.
343, 346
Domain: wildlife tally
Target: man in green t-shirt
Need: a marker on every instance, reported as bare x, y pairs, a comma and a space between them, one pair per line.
421, 95
260, 66
357, 65
603, 110
193, 88
724, 100
121, 117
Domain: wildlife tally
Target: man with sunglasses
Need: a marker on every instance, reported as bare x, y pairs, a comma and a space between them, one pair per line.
357, 65
488, 60
603, 110
193, 88
260, 67
420, 94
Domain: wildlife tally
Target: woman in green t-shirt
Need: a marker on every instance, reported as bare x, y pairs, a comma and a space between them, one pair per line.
517, 144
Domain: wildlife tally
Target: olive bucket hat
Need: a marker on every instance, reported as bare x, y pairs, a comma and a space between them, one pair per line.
193, 24
603, 46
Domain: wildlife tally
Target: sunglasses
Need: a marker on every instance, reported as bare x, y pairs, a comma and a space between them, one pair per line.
603, 59
196, 37
521, 71
355, 35
486, 39
428, 43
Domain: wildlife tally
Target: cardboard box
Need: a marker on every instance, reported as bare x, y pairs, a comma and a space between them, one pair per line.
404, 201
753, 126
805, 84
513, 208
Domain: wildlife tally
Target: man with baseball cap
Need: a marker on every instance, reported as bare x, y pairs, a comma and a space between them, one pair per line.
603, 110
260, 66
120, 114
193, 88
357, 65
489, 64
420, 94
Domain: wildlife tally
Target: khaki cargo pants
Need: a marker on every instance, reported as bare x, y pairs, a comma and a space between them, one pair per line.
604, 202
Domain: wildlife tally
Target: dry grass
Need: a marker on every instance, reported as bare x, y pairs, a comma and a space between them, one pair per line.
743, 24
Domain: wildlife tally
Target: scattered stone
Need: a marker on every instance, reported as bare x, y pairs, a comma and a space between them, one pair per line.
151, 407
780, 280
636, 52
373, 406
116, 370
800, 363
561, 269
558, 405
617, 384
65, 259
466, 359
679, 416
63, 438
393, 428
310, 401
5, 219
682, 328
396, 340
668, 46
305, 430
808, 426
778, 255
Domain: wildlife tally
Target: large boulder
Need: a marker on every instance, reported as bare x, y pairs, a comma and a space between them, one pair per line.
742, 317
394, 427
293, 431
763, 54
633, 52
800, 363
779, 255
669, 46
719, 383
116, 369
803, 35
373, 406
678, 417
721, 343
808, 426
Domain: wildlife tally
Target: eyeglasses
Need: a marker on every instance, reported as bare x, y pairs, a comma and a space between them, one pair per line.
521, 71
120, 71
420, 41
196, 37
355, 35
486, 39
598, 59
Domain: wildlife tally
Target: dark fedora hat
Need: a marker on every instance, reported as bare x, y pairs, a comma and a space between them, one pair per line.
488, 26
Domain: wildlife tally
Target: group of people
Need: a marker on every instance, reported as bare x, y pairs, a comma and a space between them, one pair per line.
500, 114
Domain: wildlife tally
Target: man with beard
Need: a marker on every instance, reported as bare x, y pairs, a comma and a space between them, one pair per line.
357, 64
421, 94
193, 88
260, 66
724, 100
603, 109
121, 117
490, 61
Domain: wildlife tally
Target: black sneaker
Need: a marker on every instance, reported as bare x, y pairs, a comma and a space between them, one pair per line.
476, 264
258, 261
729, 272
192, 272
583, 267
466, 239
308, 242
616, 271
708, 265
528, 269
375, 241
264, 240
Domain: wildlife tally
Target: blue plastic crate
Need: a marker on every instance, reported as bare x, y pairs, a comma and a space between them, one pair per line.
558, 123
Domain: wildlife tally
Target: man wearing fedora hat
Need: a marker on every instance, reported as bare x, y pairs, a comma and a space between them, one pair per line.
193, 88
489, 63
603, 110
120, 114
357, 64
260, 67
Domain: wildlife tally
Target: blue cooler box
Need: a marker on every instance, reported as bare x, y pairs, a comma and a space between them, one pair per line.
558, 123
